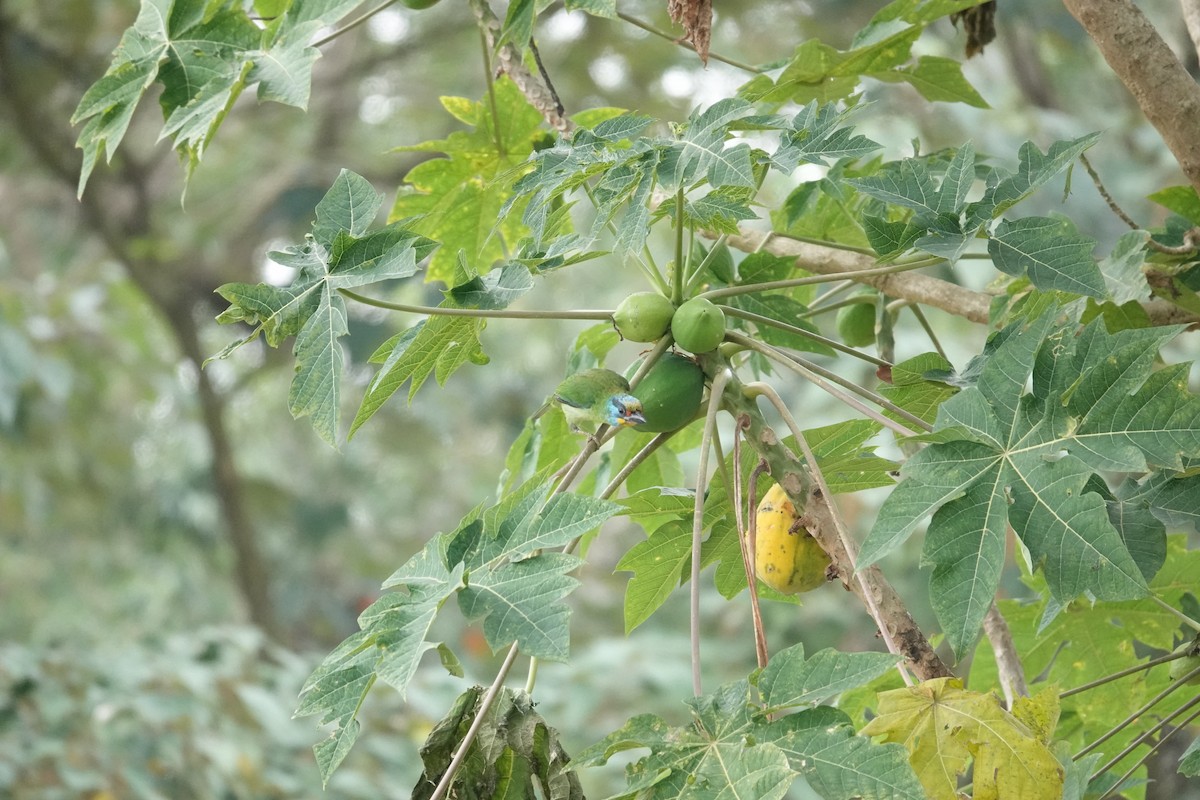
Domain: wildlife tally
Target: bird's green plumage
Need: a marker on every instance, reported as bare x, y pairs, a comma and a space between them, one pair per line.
594, 397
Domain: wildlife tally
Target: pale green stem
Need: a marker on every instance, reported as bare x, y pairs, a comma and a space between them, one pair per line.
694, 279
863, 392
686, 45
491, 91
352, 24
860, 300
648, 267
733, 490
1125, 723
677, 273
848, 543
833, 292
468, 739
920, 315
850, 248
759, 319
1116, 676
1191, 623
660, 347
1137, 742
752, 288
435, 311
633, 463
817, 381
714, 404
1149, 753
531, 680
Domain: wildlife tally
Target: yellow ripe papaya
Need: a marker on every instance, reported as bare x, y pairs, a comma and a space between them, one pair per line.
786, 556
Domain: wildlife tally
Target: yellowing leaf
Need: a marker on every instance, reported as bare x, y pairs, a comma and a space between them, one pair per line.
945, 726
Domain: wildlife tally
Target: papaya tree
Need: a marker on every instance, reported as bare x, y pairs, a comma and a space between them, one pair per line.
1063, 450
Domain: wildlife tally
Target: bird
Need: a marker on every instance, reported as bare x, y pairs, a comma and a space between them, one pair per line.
594, 397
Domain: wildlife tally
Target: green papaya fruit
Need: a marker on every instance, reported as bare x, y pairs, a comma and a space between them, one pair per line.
644, 317
670, 393
698, 326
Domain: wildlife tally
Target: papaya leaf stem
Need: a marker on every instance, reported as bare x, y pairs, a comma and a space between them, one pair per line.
503, 313
714, 404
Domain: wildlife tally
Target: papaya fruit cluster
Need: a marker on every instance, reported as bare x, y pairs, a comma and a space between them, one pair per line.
698, 325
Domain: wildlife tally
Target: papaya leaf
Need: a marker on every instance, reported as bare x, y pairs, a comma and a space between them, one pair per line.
945, 726
790, 680
1006, 456
1084, 642
437, 346
389, 646
458, 199
340, 253
729, 750
204, 54
1050, 252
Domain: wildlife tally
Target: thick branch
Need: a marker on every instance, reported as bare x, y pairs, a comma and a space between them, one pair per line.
911, 286
1164, 90
901, 627
1008, 663
513, 65
1191, 20
918, 288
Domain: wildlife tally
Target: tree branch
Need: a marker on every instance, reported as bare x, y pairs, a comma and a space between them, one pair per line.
1162, 87
1008, 663
1191, 20
824, 260
914, 287
901, 628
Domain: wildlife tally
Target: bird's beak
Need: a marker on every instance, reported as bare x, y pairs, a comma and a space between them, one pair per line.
634, 418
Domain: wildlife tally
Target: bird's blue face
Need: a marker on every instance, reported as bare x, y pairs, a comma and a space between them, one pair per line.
624, 409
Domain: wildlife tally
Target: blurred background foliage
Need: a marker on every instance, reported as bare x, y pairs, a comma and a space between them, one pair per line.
153, 514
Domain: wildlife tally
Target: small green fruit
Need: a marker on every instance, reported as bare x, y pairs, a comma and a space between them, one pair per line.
856, 324
670, 393
698, 326
644, 317
419, 4
1182, 666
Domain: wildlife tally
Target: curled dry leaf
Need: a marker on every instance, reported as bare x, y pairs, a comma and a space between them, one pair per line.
696, 18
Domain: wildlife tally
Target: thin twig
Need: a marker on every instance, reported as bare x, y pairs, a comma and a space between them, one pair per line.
917, 312
485, 705
1116, 676
1108, 198
753, 288
714, 404
1137, 742
686, 45
733, 488
489, 80
352, 24
759, 319
537, 58
750, 551
1191, 623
